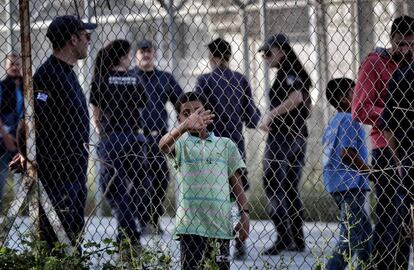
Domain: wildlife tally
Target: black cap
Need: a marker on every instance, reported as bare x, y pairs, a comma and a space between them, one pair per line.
219, 48
403, 25
145, 44
277, 40
62, 28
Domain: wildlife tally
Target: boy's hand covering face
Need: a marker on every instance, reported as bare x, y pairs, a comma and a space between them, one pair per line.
198, 120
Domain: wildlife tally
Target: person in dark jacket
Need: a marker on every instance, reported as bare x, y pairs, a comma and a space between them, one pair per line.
397, 121
290, 106
62, 129
230, 97
11, 111
117, 96
161, 87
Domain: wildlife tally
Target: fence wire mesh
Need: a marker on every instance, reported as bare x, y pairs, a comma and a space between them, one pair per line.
233, 134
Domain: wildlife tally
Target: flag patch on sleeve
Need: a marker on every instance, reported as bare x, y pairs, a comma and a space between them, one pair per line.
42, 96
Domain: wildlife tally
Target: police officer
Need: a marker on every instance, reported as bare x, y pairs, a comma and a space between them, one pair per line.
290, 106
117, 97
62, 126
160, 87
230, 97
11, 111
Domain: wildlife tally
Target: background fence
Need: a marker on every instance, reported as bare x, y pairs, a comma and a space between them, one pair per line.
330, 38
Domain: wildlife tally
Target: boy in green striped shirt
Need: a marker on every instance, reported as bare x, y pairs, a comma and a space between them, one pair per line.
208, 166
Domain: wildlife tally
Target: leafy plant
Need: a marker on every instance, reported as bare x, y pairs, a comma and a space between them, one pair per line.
37, 256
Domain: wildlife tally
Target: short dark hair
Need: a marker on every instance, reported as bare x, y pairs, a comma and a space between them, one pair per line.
403, 25
220, 48
338, 88
188, 97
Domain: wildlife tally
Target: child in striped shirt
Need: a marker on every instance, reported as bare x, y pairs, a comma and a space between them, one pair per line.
208, 166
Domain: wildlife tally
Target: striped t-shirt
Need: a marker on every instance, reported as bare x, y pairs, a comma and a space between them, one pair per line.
204, 168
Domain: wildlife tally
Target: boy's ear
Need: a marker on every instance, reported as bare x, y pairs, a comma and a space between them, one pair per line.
342, 100
345, 100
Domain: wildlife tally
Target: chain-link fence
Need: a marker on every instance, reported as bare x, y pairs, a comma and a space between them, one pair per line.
135, 172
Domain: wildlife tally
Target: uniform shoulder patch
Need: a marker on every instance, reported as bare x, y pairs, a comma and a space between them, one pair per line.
41, 95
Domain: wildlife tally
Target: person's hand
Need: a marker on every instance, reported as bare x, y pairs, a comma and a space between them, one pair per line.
400, 169
371, 176
18, 164
243, 227
199, 120
265, 122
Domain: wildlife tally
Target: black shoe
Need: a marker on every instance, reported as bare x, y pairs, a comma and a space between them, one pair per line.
300, 243
240, 252
276, 249
296, 248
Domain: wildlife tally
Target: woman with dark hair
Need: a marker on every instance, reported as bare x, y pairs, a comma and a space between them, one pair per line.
116, 98
290, 106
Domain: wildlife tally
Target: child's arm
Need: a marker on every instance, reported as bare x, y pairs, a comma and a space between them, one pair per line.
195, 122
243, 226
393, 145
351, 158
18, 163
96, 117
168, 140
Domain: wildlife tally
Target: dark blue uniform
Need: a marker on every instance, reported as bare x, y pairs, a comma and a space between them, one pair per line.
11, 111
62, 130
285, 157
230, 97
160, 88
398, 117
120, 96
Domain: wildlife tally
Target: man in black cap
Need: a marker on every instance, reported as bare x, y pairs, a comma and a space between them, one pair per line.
160, 87
230, 97
62, 127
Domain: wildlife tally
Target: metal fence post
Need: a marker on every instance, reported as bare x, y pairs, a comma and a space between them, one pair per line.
263, 35
172, 30
410, 7
365, 28
245, 34
87, 78
322, 49
31, 177
11, 23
